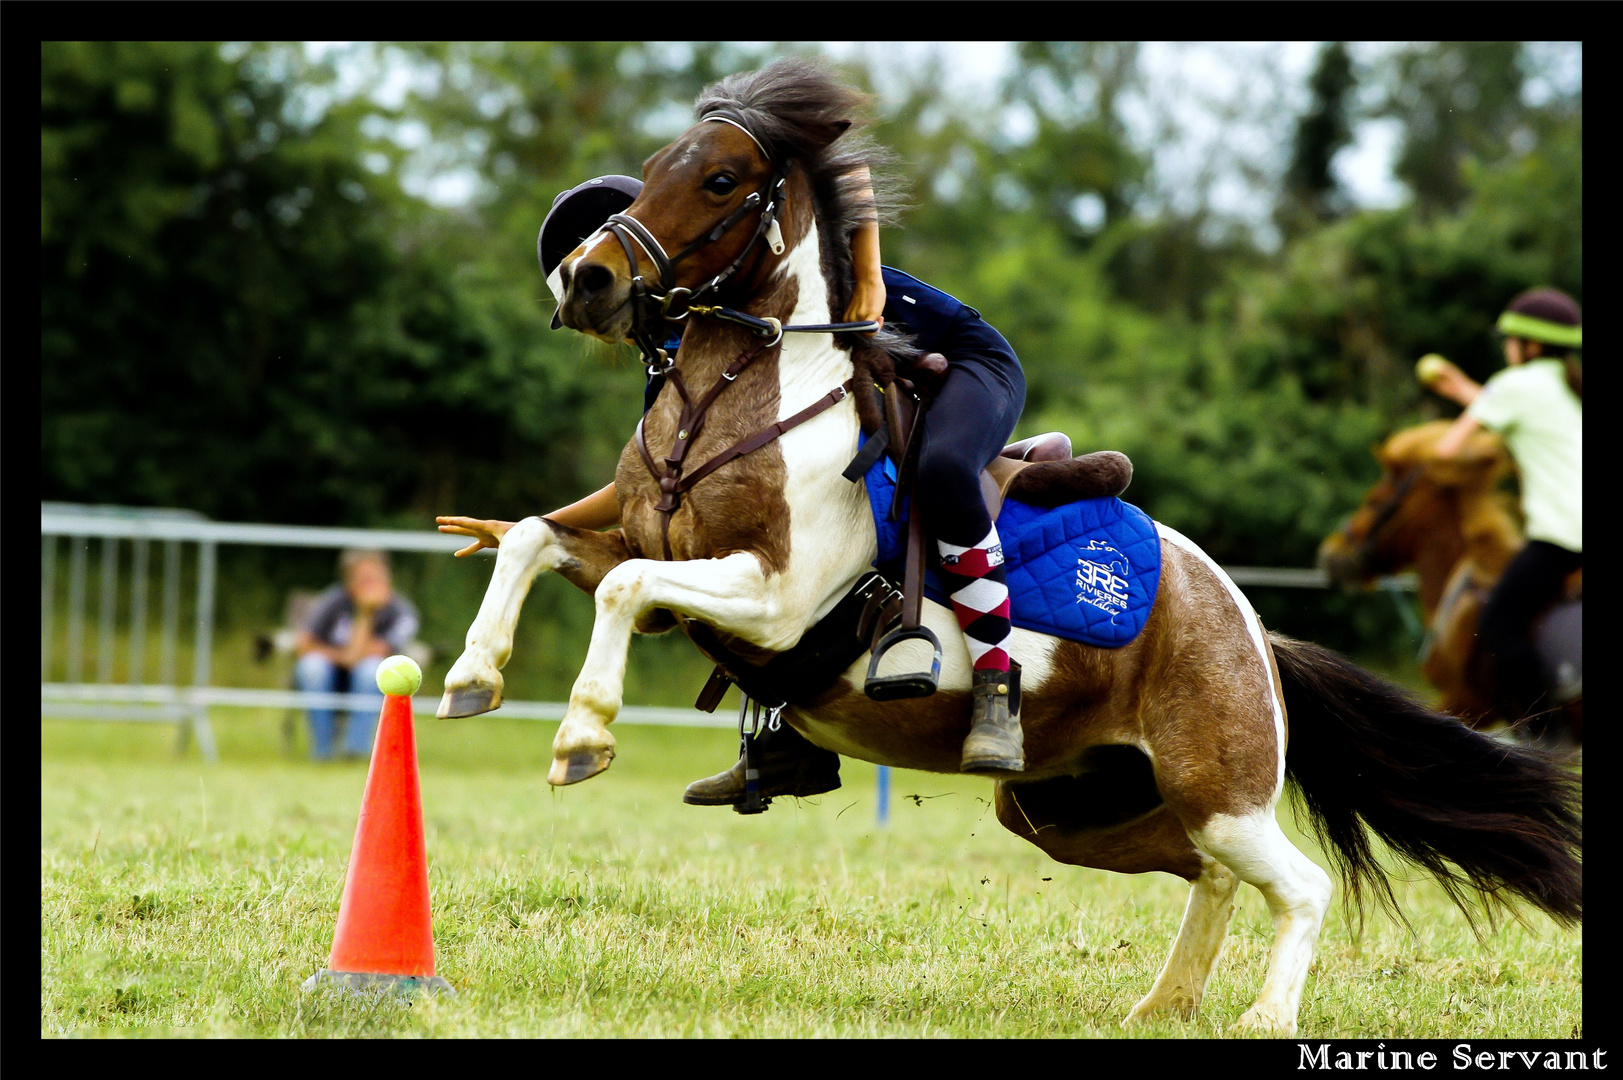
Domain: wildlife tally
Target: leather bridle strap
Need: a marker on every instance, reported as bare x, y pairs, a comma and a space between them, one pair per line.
672, 483
1389, 509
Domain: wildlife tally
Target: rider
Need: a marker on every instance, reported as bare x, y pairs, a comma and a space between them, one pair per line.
1536, 406
966, 427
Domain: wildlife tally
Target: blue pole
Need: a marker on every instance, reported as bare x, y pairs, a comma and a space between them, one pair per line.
884, 794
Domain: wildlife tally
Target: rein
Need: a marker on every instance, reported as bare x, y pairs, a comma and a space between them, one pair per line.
1365, 548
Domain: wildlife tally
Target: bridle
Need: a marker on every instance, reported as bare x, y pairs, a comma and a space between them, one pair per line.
1364, 550
673, 303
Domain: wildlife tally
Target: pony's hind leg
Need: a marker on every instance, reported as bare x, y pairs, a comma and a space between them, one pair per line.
474, 683
1112, 818
1182, 982
1298, 895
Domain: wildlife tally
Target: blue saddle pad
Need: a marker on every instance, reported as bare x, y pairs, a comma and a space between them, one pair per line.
1087, 571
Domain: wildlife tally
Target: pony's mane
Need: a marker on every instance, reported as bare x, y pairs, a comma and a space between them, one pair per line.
801, 110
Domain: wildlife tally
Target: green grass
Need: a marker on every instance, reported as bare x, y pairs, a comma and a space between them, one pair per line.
186, 899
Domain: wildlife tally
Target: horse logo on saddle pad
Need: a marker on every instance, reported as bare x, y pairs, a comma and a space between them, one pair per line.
1103, 584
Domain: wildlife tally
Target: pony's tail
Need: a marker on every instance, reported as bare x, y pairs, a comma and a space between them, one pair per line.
1486, 819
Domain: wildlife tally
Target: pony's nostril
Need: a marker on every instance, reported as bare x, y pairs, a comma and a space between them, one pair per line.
592, 279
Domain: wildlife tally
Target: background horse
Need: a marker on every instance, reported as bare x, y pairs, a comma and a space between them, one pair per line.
1166, 754
1450, 523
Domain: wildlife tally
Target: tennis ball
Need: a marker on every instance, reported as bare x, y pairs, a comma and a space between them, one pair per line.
399, 675
1430, 368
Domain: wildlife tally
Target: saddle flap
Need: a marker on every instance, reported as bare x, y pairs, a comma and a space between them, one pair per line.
995, 481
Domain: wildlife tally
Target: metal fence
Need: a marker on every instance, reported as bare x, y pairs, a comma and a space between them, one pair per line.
186, 545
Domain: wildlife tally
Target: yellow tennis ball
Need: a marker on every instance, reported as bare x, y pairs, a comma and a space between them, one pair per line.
399, 675
1430, 368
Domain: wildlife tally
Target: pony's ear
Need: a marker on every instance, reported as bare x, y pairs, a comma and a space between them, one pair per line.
827, 131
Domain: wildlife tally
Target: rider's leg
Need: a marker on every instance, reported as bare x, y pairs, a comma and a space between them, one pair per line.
966, 427
1533, 579
788, 765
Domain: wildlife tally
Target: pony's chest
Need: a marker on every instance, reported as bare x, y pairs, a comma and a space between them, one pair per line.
739, 506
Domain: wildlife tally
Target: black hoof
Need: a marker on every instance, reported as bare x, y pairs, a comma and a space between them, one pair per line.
469, 701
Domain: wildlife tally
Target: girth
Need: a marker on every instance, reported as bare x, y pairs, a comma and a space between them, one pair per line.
672, 480
820, 657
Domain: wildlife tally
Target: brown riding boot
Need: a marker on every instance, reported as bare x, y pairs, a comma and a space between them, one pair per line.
787, 765
995, 742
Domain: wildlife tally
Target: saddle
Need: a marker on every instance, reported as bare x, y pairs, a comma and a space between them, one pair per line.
877, 615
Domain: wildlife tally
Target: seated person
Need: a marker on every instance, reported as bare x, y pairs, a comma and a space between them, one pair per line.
349, 630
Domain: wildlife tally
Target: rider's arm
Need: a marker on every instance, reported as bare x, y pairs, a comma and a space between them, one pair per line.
598, 510
1455, 437
868, 294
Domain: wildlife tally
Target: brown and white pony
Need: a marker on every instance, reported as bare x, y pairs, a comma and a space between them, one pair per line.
1167, 754
1449, 522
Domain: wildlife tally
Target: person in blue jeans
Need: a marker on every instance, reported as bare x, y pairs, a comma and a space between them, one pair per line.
349, 631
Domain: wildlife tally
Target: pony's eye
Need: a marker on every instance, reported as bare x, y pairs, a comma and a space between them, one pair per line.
721, 184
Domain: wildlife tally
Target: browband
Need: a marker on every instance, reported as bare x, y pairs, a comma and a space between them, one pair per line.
707, 117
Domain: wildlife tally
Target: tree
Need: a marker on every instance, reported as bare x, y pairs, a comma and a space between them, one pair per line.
1310, 192
1455, 100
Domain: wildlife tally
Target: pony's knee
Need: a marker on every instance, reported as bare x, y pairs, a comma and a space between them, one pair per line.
621, 587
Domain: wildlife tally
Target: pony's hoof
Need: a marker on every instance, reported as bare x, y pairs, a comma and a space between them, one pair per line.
1175, 1008
469, 701
577, 766
1264, 1022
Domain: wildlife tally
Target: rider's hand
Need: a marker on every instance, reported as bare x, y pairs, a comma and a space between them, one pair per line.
486, 534
1455, 385
867, 302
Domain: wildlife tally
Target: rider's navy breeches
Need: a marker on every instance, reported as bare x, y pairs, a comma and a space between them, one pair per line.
968, 425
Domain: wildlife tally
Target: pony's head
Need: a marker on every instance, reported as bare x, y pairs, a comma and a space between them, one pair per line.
724, 204
1418, 501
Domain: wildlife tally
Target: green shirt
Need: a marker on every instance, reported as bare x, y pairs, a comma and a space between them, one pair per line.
1541, 420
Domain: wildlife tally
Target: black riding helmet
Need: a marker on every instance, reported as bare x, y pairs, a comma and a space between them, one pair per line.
575, 215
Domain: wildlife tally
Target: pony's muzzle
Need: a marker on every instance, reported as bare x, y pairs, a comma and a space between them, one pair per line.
595, 299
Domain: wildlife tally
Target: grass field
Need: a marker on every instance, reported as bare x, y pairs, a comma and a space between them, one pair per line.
185, 899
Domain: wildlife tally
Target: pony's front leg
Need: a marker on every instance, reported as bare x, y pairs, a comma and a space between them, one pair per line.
731, 594
474, 683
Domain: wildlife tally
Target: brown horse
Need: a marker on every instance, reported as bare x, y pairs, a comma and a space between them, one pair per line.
1450, 523
1167, 754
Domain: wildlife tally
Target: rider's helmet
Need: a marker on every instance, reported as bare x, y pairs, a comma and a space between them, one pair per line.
1548, 316
575, 215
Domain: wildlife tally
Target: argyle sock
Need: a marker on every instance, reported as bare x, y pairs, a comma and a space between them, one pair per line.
980, 598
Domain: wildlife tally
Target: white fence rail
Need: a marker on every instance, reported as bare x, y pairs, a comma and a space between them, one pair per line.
114, 529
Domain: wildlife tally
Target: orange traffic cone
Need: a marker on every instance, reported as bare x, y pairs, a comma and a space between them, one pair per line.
385, 939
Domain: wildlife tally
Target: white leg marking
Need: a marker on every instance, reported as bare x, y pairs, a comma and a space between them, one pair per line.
1182, 982
1298, 895
1253, 627
731, 594
528, 549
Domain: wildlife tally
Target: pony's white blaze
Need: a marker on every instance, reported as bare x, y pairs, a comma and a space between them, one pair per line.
1253, 627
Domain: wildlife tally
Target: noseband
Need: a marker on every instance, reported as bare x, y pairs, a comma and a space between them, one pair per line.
672, 302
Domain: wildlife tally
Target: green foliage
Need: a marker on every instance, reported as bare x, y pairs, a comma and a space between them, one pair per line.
1456, 100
